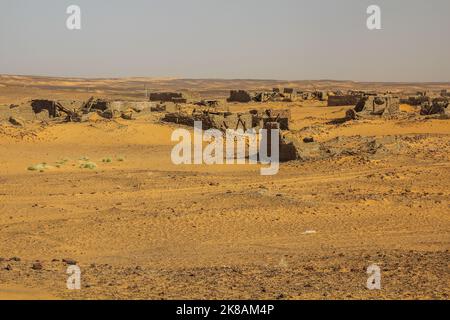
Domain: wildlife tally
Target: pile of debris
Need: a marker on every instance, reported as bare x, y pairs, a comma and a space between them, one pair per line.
439, 106
73, 111
208, 103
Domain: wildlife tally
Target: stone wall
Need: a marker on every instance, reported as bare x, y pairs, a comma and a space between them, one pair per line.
345, 100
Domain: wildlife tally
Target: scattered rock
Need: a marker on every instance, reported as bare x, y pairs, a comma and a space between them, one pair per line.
308, 139
127, 115
36, 266
16, 121
69, 261
14, 259
281, 296
8, 268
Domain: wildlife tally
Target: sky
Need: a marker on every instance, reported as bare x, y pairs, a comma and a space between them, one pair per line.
231, 39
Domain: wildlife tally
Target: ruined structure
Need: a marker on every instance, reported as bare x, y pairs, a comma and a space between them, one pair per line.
437, 106
288, 95
168, 97
287, 149
212, 120
445, 93
240, 96
321, 95
375, 105
208, 103
75, 111
268, 96
343, 100
416, 100
260, 118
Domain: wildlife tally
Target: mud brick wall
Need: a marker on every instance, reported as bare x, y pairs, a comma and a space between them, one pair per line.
239, 96
231, 121
165, 96
347, 100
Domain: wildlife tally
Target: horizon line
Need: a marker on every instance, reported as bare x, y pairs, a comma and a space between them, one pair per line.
169, 78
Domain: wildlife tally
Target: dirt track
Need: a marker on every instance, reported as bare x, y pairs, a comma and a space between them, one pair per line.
143, 228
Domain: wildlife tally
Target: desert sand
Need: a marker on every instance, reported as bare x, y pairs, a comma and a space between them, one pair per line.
140, 227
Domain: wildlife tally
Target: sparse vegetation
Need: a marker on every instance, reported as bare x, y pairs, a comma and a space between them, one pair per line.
38, 167
88, 165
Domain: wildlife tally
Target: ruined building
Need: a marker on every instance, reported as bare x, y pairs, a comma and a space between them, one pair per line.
282, 117
375, 105
438, 106
343, 100
212, 120
168, 97
240, 96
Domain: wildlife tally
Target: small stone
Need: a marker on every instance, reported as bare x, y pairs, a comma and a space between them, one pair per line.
8, 268
36, 266
128, 115
69, 261
14, 259
308, 139
281, 296
16, 121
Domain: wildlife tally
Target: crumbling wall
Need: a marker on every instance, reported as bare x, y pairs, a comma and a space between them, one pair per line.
289, 91
137, 106
437, 106
167, 97
282, 116
47, 106
239, 96
212, 120
379, 105
415, 100
223, 121
344, 100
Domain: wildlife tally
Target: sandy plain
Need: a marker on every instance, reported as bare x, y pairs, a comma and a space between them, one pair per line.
140, 227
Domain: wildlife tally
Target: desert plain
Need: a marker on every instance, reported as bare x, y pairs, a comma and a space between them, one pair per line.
140, 227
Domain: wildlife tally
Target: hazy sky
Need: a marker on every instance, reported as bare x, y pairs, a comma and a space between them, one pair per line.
264, 39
